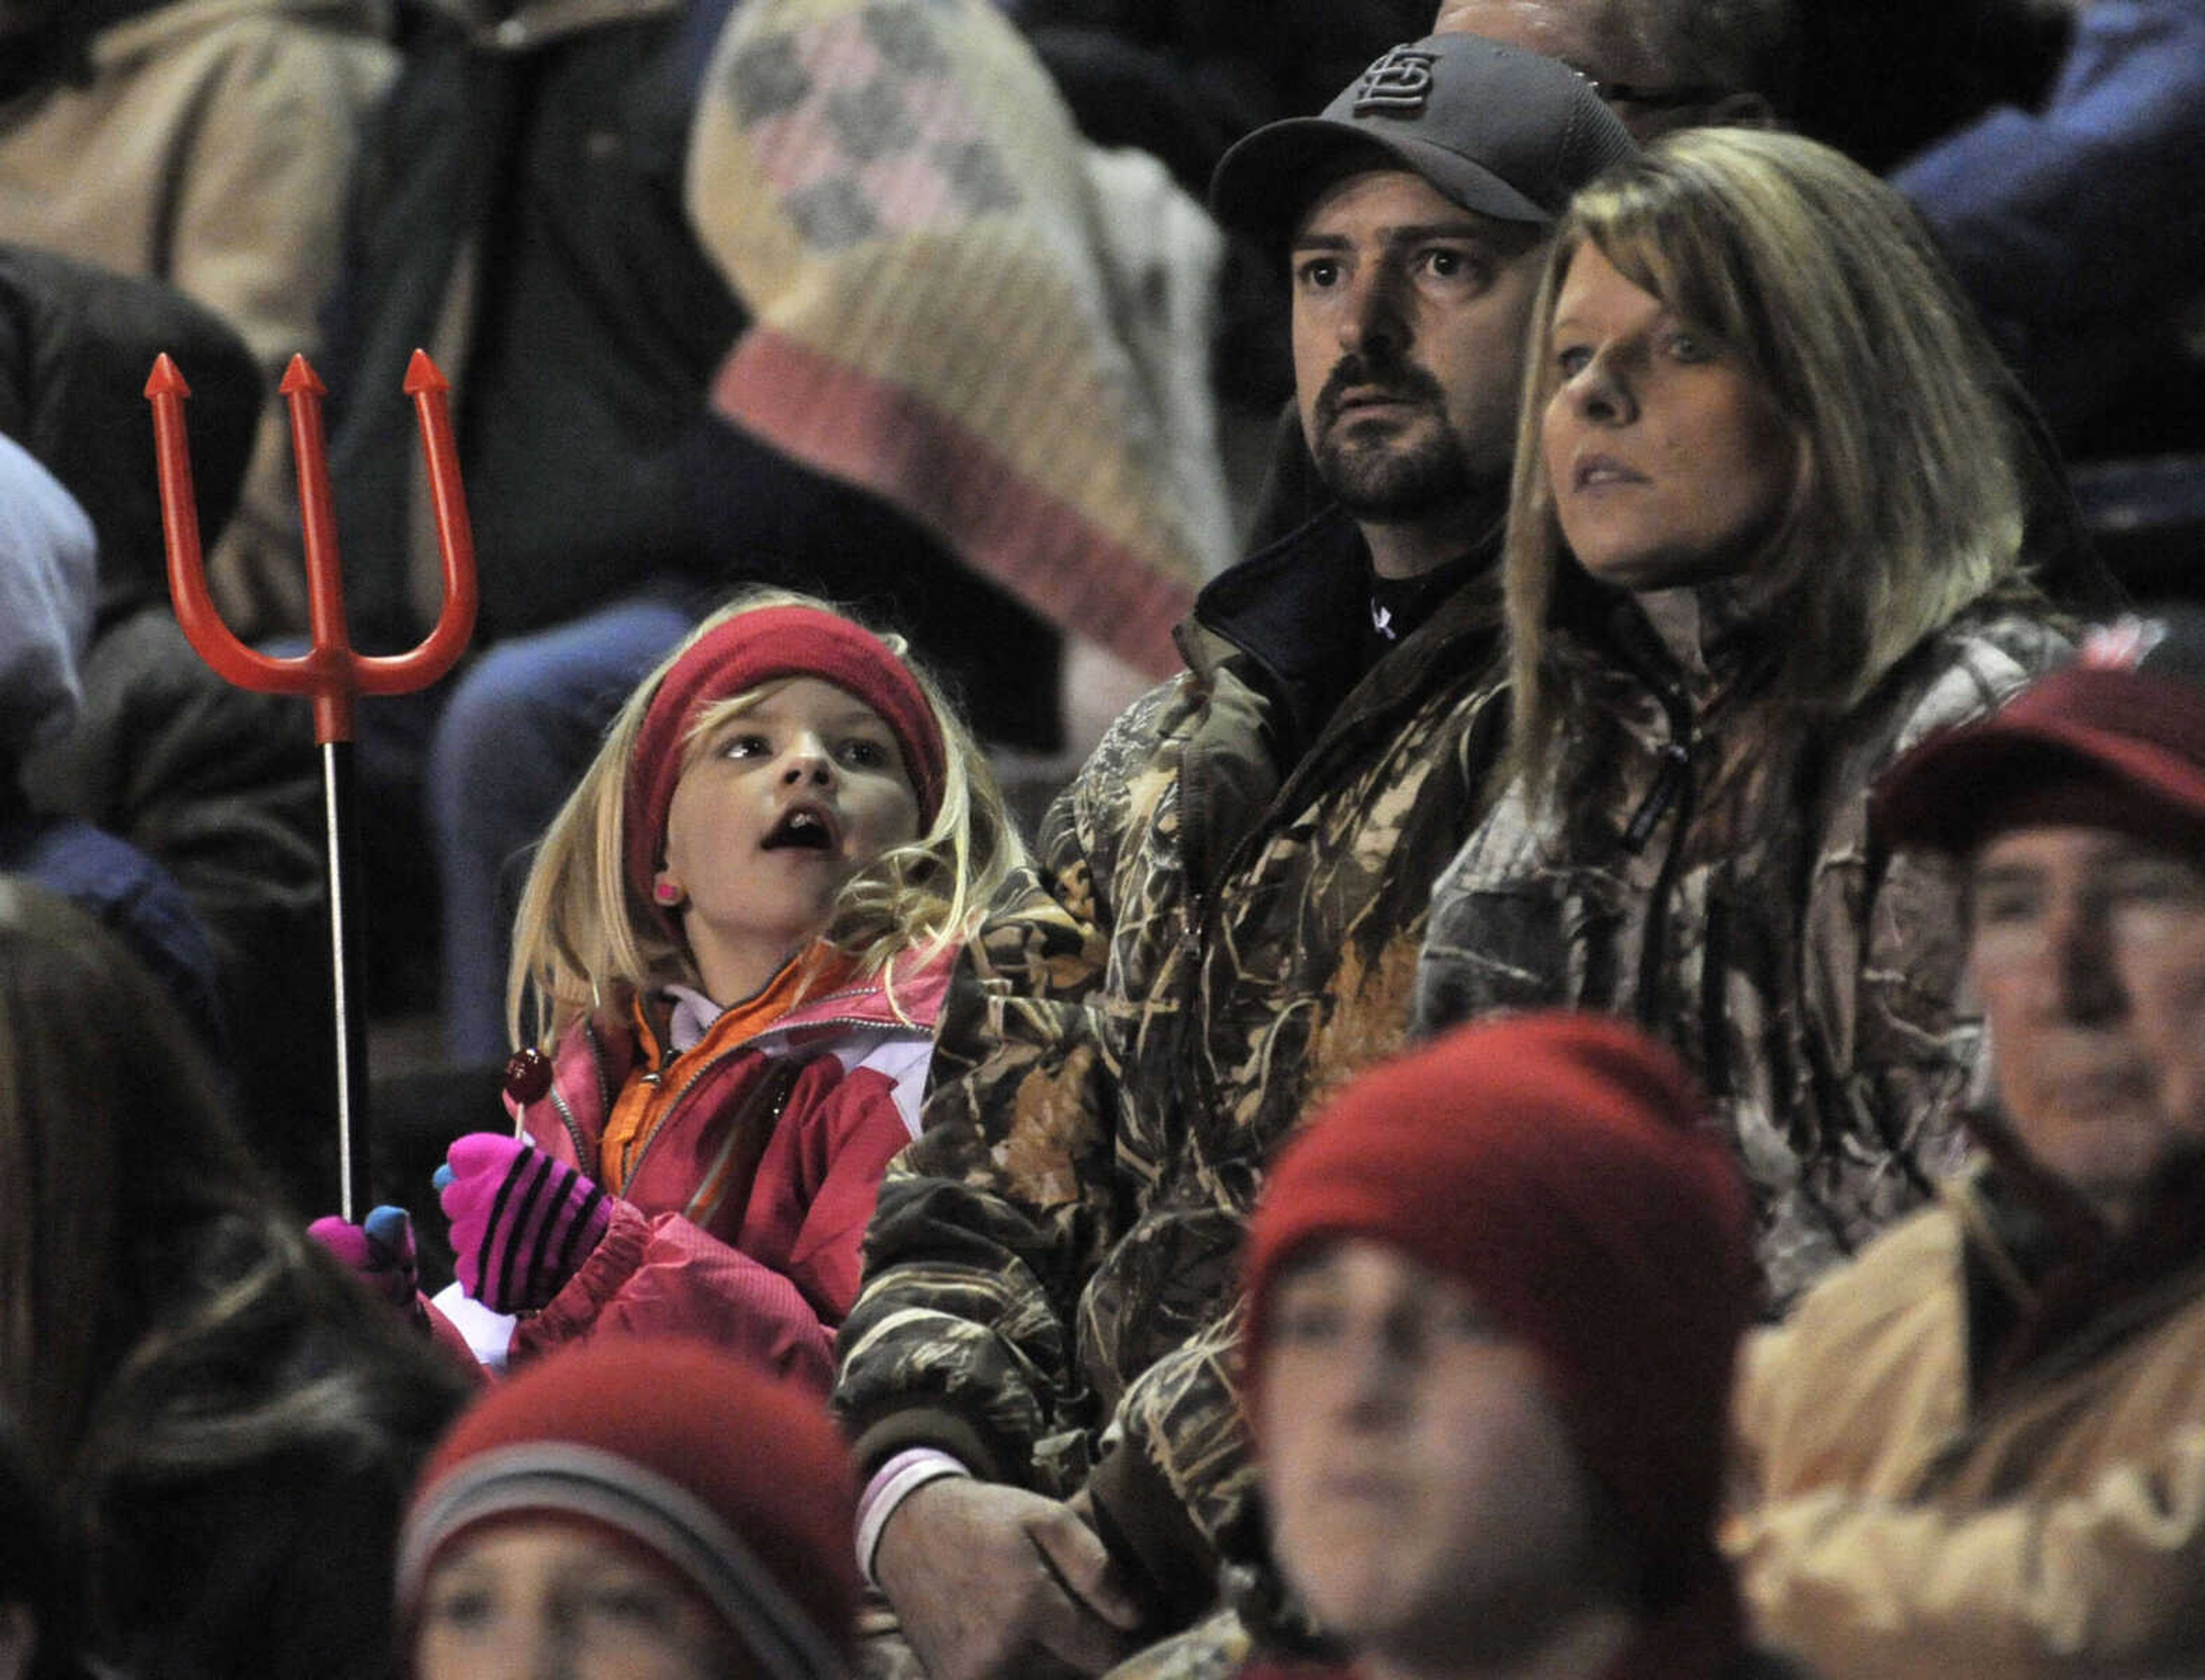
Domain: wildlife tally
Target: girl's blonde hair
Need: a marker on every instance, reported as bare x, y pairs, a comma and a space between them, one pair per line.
584, 939
1819, 279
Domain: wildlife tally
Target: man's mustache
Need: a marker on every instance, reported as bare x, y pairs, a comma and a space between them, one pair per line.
1396, 381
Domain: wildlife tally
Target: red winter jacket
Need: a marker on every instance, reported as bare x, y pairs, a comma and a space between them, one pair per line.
797, 1121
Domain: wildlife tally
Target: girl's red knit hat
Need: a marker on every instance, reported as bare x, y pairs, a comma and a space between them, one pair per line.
1559, 1164
736, 1481
761, 646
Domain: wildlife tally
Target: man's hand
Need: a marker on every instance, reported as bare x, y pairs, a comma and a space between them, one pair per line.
996, 1583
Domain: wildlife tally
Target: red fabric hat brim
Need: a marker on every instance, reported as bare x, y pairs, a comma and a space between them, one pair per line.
2142, 736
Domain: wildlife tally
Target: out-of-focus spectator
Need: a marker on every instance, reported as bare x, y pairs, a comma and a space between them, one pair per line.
1881, 78
207, 144
2078, 224
1661, 64
1979, 1450
1493, 1295
2079, 227
46, 570
218, 785
233, 1421
641, 1506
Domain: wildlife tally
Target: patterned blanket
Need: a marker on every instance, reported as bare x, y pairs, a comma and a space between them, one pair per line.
961, 305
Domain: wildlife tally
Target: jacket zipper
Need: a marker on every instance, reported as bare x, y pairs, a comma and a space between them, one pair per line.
666, 1115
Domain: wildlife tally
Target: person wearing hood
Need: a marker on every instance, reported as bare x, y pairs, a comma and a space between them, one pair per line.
46, 584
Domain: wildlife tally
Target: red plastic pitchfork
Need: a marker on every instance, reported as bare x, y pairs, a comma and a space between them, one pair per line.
330, 673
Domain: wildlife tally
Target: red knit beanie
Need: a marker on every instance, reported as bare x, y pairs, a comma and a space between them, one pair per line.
1561, 1166
736, 1481
758, 647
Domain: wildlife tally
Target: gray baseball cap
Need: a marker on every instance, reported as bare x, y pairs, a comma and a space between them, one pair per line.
1509, 133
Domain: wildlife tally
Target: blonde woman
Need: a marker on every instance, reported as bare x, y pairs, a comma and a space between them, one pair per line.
736, 936
1765, 531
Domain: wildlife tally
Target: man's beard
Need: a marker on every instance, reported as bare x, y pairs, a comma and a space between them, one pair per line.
1387, 479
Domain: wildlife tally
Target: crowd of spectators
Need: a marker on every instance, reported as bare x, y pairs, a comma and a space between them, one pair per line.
1388, 823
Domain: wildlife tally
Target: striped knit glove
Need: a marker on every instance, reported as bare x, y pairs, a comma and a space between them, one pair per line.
522, 1223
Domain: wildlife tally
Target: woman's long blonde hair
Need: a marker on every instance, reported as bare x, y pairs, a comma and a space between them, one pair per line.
1821, 281
584, 939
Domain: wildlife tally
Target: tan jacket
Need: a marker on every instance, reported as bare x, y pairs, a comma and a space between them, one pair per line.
211, 147
1888, 1529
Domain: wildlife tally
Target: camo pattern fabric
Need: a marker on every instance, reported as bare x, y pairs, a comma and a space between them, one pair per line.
1201, 951
1216, 1648
1813, 984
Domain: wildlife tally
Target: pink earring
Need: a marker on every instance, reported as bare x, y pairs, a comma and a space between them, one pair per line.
667, 893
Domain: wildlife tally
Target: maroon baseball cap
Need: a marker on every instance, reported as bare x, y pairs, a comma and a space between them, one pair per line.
2116, 739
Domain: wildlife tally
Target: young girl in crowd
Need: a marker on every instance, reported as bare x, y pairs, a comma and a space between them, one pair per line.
735, 941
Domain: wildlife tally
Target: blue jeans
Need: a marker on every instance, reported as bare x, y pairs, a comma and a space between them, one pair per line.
520, 726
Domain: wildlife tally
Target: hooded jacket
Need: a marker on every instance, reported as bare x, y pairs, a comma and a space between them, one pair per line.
1708, 872
1223, 923
46, 586
787, 1129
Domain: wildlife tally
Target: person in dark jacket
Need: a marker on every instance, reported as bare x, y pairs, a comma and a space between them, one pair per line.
45, 615
219, 786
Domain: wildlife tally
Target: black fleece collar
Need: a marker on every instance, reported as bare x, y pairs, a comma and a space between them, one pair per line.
1299, 611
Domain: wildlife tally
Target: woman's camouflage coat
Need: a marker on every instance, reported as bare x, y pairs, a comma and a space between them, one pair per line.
1729, 897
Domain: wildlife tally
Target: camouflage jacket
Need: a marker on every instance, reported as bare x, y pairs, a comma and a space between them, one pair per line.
1727, 896
1225, 919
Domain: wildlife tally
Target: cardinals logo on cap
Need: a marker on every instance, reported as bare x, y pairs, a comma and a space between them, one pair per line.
1398, 83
